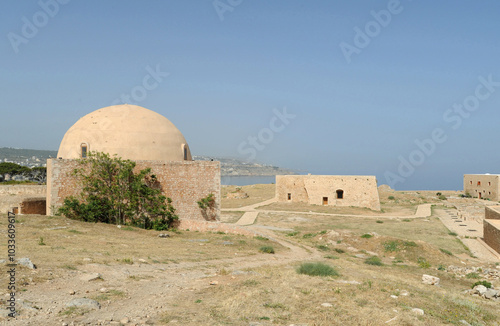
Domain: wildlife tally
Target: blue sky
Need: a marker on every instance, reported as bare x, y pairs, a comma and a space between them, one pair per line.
232, 64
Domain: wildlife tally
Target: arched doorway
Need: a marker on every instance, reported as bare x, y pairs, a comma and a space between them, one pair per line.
340, 194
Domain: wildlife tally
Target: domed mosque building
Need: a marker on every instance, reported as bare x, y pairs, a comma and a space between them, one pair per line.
146, 137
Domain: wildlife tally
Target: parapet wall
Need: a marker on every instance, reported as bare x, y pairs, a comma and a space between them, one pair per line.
186, 182
22, 190
491, 227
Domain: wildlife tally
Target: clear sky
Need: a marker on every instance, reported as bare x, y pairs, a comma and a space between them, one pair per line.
405, 90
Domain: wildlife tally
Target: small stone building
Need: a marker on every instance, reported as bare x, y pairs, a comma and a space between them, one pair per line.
331, 190
482, 186
146, 137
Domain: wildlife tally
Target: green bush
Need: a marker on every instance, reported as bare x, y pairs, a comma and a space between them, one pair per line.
485, 283
442, 197
267, 249
112, 192
454, 234
323, 248
423, 263
317, 269
367, 236
292, 234
379, 221
374, 260
390, 197
340, 251
309, 235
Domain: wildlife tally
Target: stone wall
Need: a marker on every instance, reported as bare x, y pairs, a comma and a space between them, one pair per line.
186, 182
33, 206
492, 212
491, 227
22, 190
359, 191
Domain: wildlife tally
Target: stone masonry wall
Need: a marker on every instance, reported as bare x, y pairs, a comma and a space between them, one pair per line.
491, 227
492, 212
22, 190
359, 191
33, 206
186, 182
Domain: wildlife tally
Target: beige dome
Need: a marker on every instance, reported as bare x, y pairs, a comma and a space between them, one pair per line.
129, 131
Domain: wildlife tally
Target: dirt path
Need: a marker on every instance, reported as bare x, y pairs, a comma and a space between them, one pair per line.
470, 233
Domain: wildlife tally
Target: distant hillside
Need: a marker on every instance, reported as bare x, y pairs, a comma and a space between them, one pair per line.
7, 152
229, 166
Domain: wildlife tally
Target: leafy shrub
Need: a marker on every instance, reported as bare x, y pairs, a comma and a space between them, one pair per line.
391, 197
379, 221
340, 251
258, 237
113, 193
454, 234
267, 249
317, 269
331, 257
442, 197
292, 234
423, 263
367, 236
485, 283
309, 235
374, 260
438, 194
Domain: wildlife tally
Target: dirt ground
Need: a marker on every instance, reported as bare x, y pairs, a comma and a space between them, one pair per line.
195, 278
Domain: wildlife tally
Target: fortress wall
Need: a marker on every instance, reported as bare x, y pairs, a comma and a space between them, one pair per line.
22, 190
186, 182
491, 227
359, 191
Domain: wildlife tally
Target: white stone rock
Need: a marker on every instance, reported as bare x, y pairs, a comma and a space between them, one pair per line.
418, 311
430, 280
394, 296
103, 290
326, 304
480, 289
125, 320
90, 277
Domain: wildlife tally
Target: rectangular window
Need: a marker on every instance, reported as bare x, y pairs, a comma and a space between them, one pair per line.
325, 200
289, 196
84, 151
479, 183
471, 182
489, 183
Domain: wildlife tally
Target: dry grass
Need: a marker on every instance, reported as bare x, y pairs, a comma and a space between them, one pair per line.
261, 287
256, 194
70, 244
280, 296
